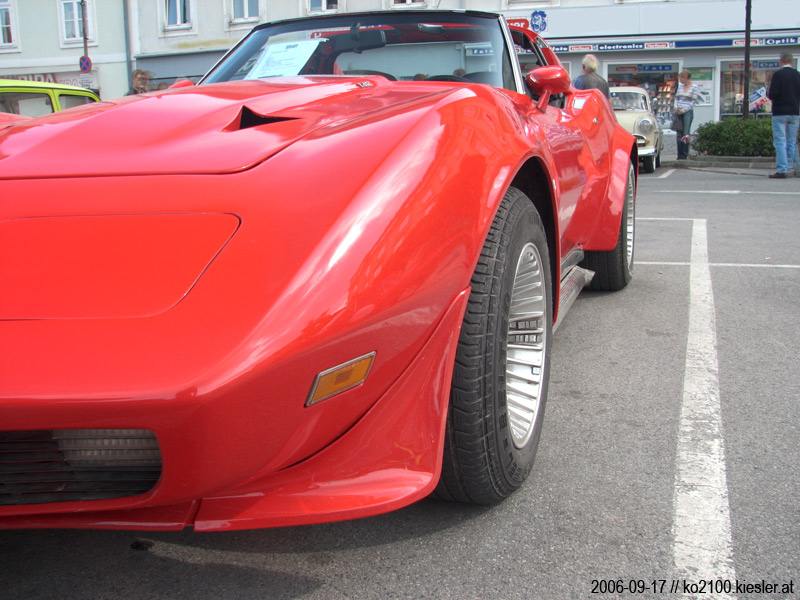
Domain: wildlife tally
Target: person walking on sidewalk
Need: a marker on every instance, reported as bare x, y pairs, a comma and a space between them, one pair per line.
591, 80
686, 96
784, 91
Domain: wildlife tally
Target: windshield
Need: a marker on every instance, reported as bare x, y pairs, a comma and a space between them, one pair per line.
405, 46
628, 101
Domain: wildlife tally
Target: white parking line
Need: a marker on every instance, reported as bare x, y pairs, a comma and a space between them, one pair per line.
725, 192
702, 546
666, 174
654, 263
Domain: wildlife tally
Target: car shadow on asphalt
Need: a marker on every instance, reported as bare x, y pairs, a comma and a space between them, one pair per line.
285, 562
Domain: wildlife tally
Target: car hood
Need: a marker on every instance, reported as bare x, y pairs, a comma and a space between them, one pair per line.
220, 128
629, 118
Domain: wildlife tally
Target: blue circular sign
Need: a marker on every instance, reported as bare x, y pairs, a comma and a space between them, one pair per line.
85, 64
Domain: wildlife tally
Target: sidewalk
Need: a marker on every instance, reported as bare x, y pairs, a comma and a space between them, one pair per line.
723, 164
735, 165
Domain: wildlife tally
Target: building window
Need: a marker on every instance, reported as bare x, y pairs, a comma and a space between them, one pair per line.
8, 34
72, 12
731, 92
322, 5
178, 13
245, 10
72, 22
402, 3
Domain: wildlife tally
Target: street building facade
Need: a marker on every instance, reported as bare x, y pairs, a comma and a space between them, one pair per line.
648, 43
644, 43
45, 40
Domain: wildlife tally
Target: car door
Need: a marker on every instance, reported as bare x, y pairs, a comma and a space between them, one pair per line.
594, 121
578, 126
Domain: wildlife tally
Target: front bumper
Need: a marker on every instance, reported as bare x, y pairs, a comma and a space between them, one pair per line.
645, 145
390, 458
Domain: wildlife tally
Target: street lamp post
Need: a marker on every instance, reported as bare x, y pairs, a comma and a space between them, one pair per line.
746, 94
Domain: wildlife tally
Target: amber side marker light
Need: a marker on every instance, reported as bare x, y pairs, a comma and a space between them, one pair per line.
340, 379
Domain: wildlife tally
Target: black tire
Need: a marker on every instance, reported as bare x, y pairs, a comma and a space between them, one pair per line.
649, 164
658, 159
613, 269
504, 341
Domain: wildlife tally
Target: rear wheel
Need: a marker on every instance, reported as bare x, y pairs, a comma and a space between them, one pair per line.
502, 368
614, 269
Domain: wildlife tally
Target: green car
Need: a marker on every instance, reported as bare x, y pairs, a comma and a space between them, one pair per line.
36, 98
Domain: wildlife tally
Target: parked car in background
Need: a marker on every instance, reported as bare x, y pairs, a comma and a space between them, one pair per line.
635, 112
36, 98
321, 284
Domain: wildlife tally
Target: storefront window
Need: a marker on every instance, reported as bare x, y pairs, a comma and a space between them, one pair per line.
657, 78
731, 91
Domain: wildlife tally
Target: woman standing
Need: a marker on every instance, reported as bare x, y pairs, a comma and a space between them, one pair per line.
686, 96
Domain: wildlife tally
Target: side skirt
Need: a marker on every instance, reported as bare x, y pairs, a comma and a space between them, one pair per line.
573, 281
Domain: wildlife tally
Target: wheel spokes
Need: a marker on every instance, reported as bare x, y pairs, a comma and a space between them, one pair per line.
526, 344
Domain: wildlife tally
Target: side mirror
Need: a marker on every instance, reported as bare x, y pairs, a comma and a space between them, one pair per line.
554, 80
547, 81
181, 84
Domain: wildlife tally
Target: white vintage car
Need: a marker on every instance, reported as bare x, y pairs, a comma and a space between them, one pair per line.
635, 113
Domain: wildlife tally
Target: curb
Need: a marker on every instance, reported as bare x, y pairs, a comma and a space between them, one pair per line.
737, 165
734, 162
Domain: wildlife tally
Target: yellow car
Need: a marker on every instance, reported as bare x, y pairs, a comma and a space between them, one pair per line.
635, 113
36, 98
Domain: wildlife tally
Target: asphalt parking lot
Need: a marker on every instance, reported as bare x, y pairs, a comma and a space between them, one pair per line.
670, 455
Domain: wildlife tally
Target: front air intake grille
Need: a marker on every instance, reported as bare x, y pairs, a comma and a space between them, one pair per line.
61, 465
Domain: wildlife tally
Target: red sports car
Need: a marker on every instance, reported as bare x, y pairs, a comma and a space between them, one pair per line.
8, 119
319, 285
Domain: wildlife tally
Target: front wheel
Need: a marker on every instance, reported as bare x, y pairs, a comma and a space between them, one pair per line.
614, 269
649, 164
502, 366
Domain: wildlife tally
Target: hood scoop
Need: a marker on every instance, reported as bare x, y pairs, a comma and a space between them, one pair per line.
248, 118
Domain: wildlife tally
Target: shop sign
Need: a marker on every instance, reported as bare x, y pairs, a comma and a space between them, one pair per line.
539, 21
87, 80
614, 47
523, 23
479, 51
785, 41
788, 41
659, 45
666, 45
656, 68
756, 64
43, 77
